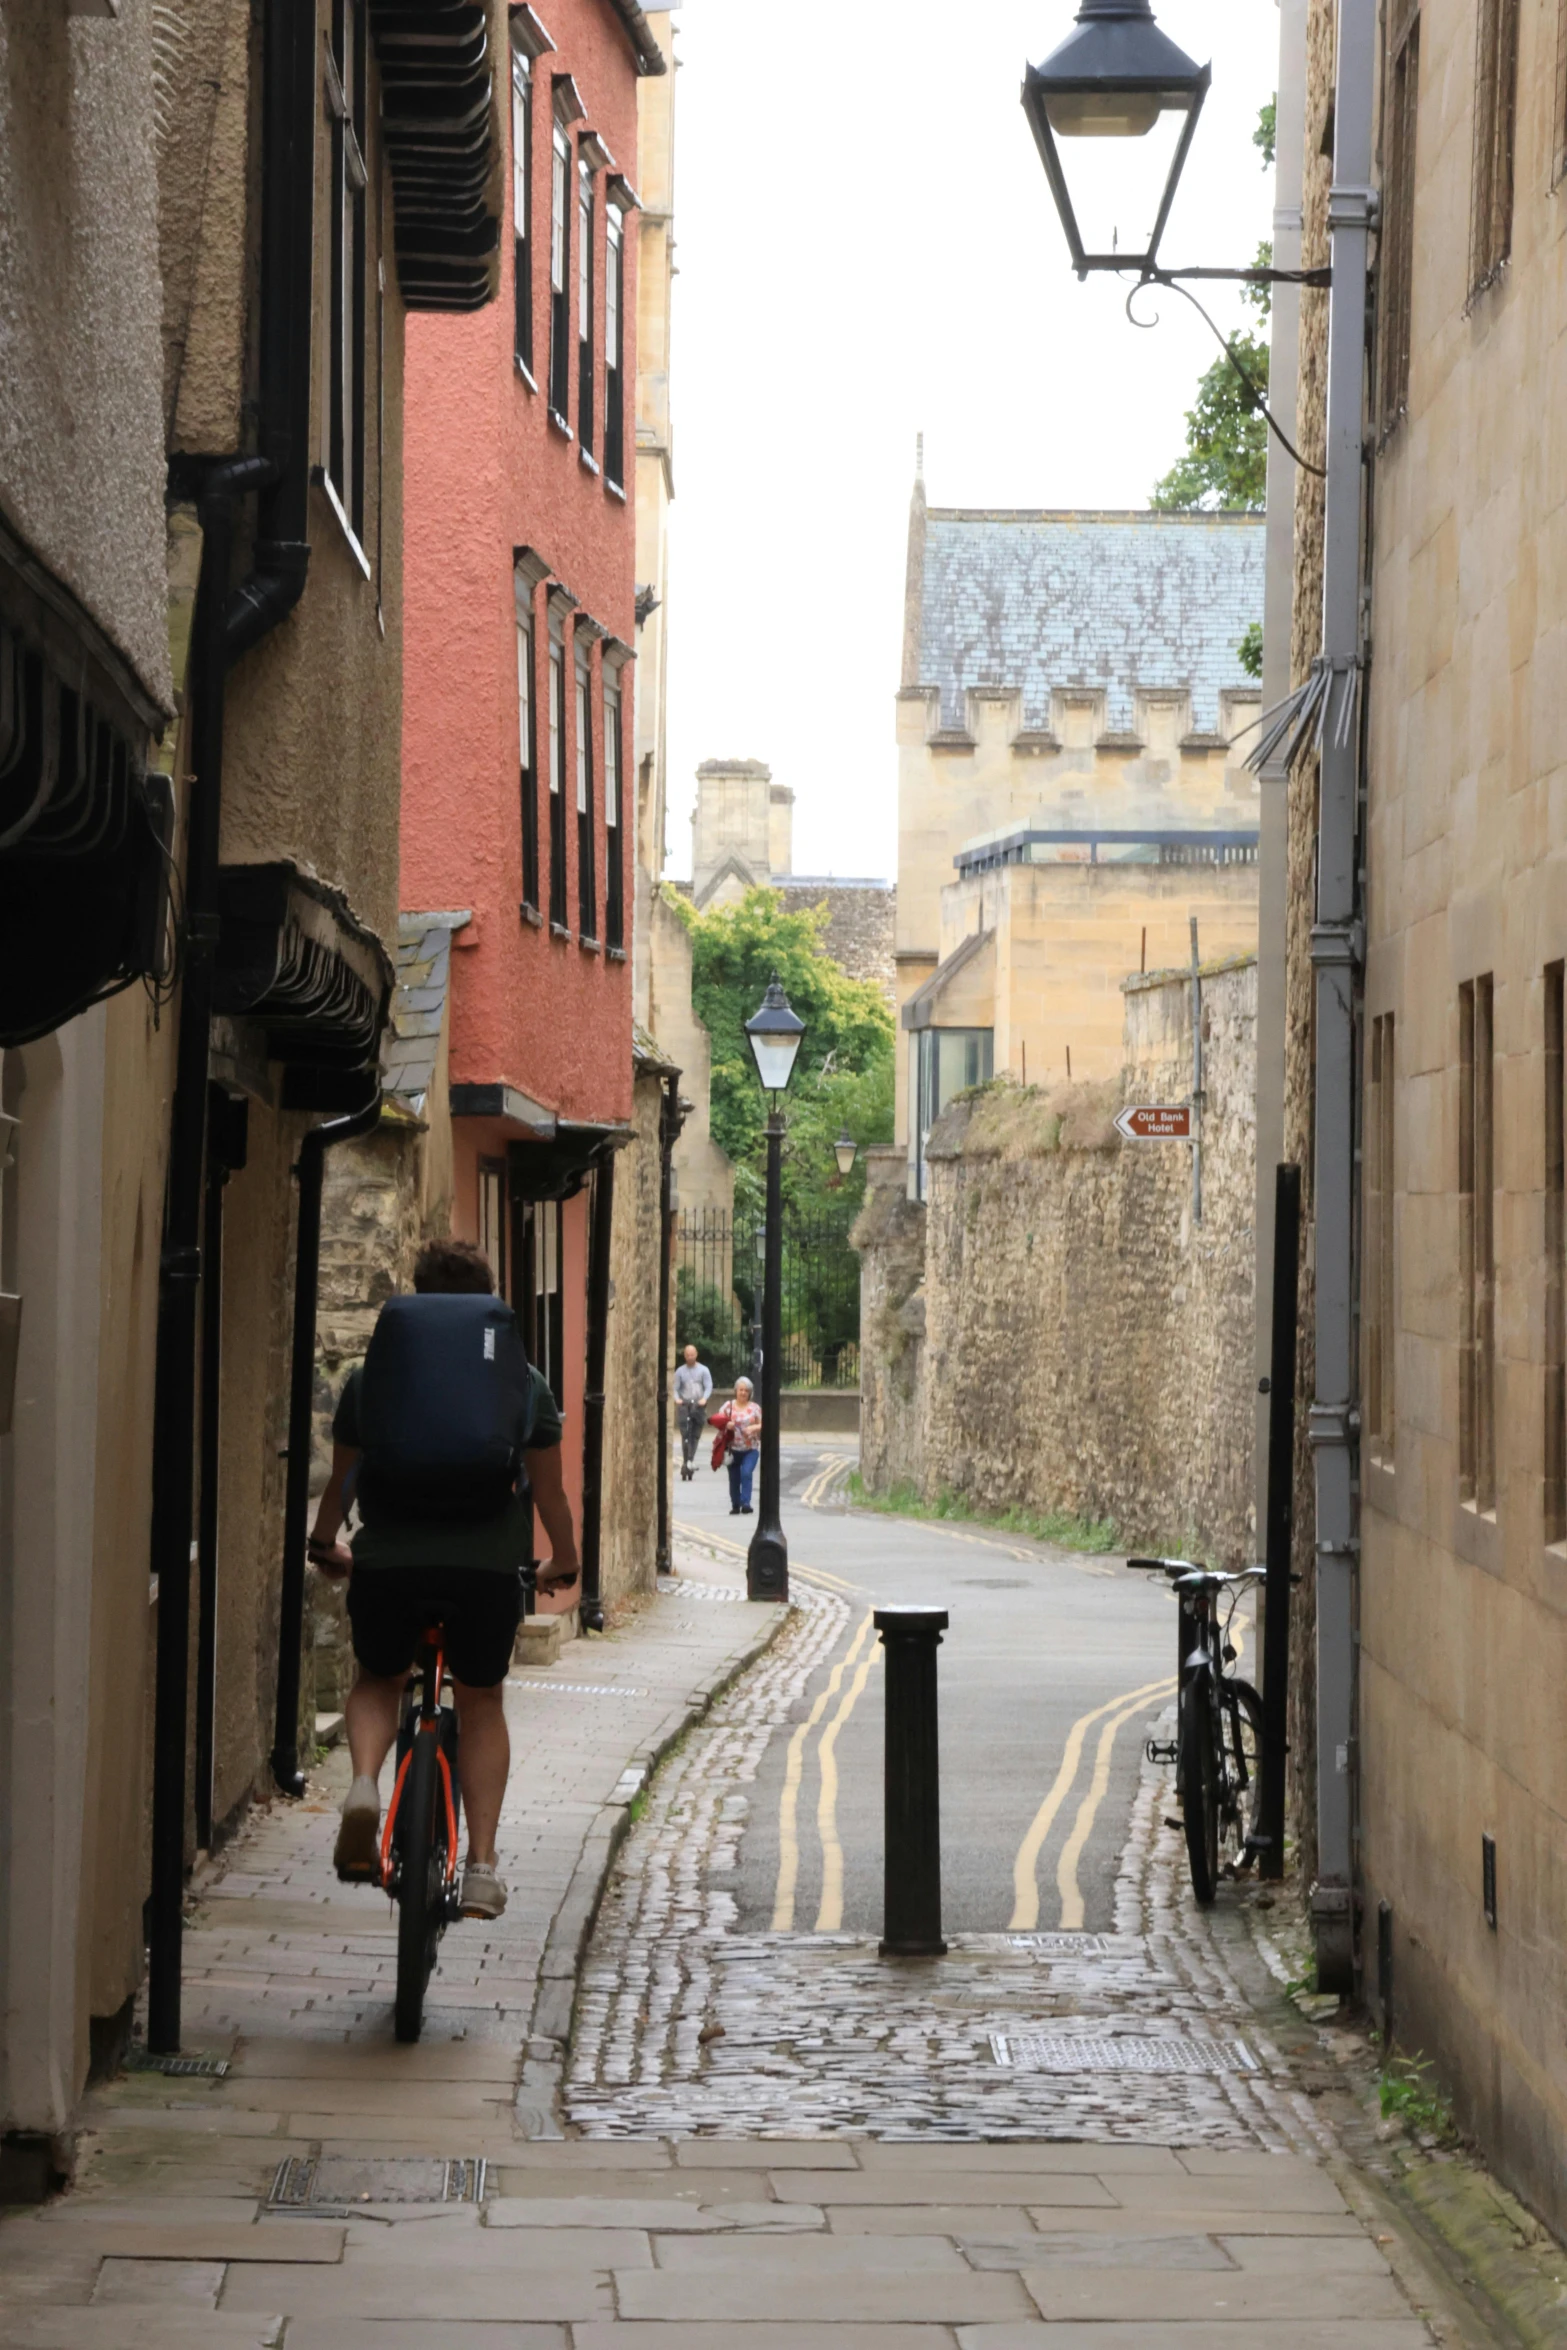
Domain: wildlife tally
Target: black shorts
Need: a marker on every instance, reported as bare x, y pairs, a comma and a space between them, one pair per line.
480, 1607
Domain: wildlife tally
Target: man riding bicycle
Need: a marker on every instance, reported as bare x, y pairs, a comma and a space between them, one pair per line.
468, 1574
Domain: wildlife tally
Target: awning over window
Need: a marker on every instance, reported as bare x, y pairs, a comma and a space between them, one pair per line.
85, 831
295, 961
444, 141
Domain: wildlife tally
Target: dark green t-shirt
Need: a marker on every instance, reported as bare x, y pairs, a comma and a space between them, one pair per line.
501, 1543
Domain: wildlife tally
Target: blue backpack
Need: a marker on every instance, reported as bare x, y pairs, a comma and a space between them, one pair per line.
445, 1409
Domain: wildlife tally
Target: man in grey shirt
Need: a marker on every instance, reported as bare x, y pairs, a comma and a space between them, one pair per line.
693, 1388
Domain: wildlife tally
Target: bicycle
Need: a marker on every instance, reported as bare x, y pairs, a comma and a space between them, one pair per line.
419, 1845
1217, 1750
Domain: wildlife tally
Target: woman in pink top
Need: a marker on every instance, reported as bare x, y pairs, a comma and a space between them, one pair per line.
741, 1422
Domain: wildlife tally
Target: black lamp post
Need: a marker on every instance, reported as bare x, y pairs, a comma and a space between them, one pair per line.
1117, 78
843, 1150
774, 1032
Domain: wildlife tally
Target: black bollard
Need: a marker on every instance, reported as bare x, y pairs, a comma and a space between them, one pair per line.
911, 1909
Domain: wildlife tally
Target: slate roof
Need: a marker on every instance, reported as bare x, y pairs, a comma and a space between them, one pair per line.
1115, 601
412, 1042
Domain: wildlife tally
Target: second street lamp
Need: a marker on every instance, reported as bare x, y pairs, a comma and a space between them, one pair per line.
774, 1032
843, 1150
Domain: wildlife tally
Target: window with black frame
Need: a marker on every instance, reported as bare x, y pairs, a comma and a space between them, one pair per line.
522, 204
614, 842
614, 346
585, 305
347, 80
560, 261
946, 1062
557, 721
527, 749
587, 857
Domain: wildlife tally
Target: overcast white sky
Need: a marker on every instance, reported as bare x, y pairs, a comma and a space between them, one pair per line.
867, 249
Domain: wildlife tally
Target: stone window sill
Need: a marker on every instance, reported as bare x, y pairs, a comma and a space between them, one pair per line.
561, 426
531, 915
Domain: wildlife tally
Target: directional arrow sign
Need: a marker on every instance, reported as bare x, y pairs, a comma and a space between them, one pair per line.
1156, 1122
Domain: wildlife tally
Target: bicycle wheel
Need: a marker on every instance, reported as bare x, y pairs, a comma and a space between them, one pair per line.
1243, 1735
1199, 1769
423, 1825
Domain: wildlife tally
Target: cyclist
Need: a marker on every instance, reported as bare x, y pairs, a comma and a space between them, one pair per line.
469, 1575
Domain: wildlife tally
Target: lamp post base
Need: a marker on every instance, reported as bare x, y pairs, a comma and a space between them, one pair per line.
767, 1565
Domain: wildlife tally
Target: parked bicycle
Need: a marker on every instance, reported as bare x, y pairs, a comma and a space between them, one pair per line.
1217, 1751
419, 1866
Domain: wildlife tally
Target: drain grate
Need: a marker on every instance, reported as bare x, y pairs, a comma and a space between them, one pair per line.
1061, 1945
181, 2068
333, 2185
1034, 2052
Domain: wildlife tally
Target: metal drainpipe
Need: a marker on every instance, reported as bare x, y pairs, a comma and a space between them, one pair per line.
311, 1171
1338, 955
227, 1130
227, 624
592, 1604
179, 1279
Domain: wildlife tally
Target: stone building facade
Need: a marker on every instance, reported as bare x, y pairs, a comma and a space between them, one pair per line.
1461, 1897
200, 517
1072, 786
742, 837
1054, 1292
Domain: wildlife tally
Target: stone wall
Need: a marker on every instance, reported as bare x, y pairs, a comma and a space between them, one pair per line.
859, 931
1086, 1346
371, 1227
629, 1542
890, 1236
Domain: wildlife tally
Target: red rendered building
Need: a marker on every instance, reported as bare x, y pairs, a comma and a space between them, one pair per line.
518, 800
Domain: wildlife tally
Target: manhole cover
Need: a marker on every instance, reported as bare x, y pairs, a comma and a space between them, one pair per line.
334, 2184
1060, 1945
1033, 2052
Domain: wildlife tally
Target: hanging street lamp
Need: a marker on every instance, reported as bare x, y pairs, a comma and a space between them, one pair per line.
1123, 101
844, 1151
775, 1033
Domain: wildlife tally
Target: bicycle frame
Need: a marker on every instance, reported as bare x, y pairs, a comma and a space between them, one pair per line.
1204, 1651
428, 1725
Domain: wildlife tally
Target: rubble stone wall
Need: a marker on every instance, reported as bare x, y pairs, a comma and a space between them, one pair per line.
1086, 1344
629, 1541
859, 932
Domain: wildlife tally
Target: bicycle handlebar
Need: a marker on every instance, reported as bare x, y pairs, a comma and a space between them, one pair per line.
1178, 1568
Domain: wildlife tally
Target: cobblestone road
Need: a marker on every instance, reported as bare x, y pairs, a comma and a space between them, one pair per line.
685, 2024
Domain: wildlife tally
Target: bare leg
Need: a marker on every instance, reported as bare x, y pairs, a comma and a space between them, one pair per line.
371, 1719
483, 1760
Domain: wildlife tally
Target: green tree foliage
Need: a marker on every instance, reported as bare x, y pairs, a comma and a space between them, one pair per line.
1249, 651
1226, 460
844, 1075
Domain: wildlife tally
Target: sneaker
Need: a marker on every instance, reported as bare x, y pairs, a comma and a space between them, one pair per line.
483, 1893
357, 1856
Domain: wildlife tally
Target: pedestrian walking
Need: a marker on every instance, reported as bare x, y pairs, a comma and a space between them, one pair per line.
693, 1388
740, 1426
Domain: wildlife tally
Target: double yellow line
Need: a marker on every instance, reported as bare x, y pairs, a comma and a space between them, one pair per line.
813, 1494
829, 1915
738, 1550
1025, 1869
